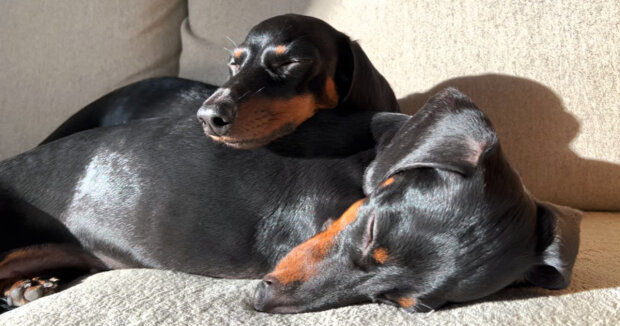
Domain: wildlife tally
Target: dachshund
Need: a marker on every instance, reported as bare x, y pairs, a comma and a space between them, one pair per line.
288, 68
445, 219
438, 213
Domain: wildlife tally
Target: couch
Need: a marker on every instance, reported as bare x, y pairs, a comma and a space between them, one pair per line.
546, 72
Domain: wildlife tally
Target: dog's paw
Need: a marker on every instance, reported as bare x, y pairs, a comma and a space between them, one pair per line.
25, 291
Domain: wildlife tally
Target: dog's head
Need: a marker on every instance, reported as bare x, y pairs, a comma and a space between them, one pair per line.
287, 68
447, 219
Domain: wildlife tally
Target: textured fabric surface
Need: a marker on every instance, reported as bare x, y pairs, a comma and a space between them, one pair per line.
546, 72
57, 56
151, 297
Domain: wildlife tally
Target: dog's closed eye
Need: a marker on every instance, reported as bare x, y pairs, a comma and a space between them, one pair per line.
369, 235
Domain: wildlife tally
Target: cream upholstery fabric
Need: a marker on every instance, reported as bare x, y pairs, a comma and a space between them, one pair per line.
546, 72
57, 56
151, 297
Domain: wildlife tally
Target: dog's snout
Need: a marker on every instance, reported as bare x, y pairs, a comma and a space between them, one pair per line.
217, 113
266, 293
270, 281
216, 119
260, 298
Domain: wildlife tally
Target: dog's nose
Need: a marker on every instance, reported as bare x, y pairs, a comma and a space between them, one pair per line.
216, 119
263, 300
270, 281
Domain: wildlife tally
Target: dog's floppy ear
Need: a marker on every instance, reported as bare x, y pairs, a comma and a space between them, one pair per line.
359, 84
558, 243
448, 133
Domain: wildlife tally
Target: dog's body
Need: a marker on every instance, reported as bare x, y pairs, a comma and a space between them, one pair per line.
157, 97
156, 193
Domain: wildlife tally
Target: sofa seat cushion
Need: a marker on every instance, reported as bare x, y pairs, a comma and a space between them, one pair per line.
154, 297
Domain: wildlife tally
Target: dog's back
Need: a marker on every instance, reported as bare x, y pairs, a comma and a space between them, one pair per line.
156, 192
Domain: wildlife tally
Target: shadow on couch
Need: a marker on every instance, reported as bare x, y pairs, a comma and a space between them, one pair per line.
595, 268
535, 132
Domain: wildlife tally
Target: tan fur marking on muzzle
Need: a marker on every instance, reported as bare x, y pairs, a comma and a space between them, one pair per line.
300, 263
261, 117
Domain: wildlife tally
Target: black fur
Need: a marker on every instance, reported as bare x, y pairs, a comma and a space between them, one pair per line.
156, 193
157, 97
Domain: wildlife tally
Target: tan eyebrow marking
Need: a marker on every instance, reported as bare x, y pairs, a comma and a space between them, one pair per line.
237, 53
380, 255
280, 49
387, 182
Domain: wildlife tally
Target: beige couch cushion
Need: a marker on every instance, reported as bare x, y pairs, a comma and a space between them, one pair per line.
152, 297
57, 56
546, 72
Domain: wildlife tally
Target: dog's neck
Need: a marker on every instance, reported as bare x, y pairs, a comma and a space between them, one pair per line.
338, 133
328, 134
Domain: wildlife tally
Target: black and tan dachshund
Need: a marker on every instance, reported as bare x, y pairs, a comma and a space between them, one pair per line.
288, 68
445, 219
438, 214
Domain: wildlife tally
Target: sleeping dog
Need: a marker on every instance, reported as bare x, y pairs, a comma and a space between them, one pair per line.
445, 219
435, 212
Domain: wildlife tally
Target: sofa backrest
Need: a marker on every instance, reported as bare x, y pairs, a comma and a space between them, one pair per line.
57, 56
546, 72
